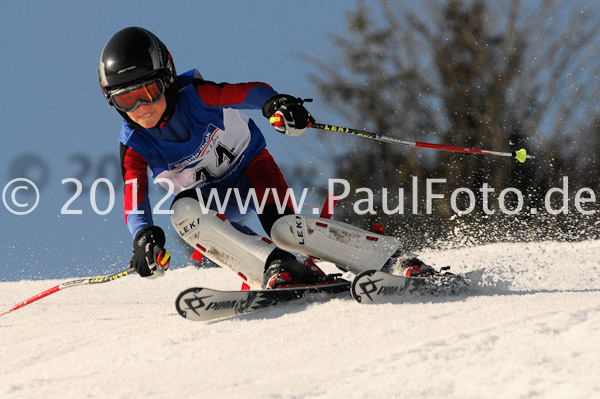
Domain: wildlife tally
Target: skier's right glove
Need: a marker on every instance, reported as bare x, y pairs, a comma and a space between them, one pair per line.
287, 115
150, 259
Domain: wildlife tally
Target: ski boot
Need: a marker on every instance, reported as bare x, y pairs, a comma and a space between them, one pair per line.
407, 264
415, 267
283, 270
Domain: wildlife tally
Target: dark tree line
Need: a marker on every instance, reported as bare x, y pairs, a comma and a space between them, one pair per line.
487, 74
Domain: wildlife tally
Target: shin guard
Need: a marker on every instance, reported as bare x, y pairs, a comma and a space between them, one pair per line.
217, 239
347, 246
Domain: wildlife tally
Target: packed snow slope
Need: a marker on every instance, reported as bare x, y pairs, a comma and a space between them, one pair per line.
531, 331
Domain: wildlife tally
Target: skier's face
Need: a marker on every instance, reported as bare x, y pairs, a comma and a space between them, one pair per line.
148, 115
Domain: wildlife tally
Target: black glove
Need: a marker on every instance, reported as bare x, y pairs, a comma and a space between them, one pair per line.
287, 115
149, 256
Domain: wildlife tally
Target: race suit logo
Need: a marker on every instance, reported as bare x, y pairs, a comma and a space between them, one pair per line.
207, 145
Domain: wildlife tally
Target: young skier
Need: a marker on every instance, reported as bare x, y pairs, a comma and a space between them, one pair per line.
191, 135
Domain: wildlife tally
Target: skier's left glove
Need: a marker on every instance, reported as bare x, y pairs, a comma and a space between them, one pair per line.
287, 115
150, 259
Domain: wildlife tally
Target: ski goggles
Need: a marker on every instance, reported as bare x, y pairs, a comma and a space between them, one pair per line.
129, 98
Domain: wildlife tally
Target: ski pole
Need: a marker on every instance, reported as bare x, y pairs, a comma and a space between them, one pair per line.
520, 155
69, 284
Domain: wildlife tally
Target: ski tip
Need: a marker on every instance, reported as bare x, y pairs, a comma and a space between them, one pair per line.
359, 288
189, 301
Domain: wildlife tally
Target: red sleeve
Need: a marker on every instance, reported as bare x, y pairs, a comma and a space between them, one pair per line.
133, 168
250, 95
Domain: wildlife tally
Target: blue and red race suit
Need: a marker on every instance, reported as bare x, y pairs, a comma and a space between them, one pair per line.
207, 143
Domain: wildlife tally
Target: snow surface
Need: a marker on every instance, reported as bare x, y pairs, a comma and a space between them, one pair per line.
531, 331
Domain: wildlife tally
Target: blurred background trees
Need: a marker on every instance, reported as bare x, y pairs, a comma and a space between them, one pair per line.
487, 74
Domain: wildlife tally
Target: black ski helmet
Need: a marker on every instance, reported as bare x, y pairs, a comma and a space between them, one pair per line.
134, 55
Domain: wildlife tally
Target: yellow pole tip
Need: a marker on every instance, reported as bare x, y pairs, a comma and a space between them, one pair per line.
521, 155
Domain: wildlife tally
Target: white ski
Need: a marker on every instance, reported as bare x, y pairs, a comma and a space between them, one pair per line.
374, 286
